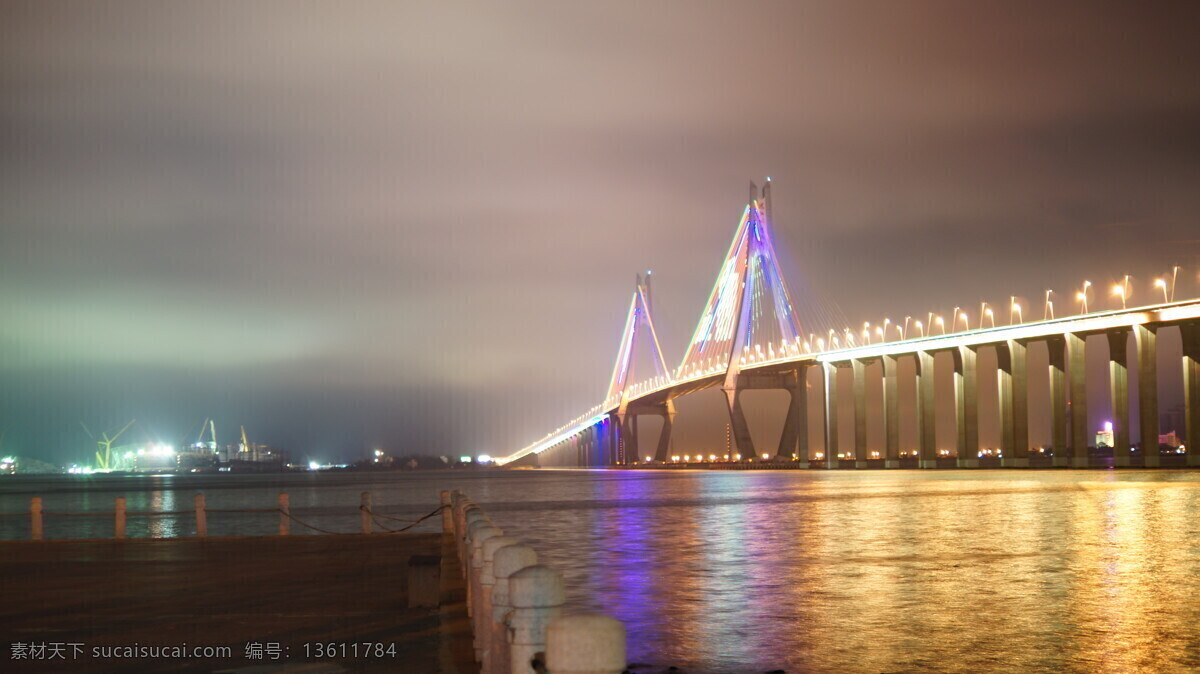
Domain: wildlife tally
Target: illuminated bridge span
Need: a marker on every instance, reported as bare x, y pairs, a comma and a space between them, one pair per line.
749, 337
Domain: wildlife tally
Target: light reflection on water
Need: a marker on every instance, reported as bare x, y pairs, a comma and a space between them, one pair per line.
848, 571
873, 571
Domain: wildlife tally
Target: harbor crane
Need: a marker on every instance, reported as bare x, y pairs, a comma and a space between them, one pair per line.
104, 460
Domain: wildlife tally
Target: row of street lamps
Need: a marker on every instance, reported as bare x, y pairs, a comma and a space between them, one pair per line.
988, 317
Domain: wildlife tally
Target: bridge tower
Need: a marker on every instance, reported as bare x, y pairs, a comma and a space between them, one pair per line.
749, 320
627, 384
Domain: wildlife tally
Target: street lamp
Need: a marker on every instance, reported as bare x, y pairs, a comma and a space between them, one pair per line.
904, 331
1174, 275
991, 317
954, 318
1160, 283
921, 327
1015, 308
1048, 311
966, 325
941, 323
1119, 290
1082, 295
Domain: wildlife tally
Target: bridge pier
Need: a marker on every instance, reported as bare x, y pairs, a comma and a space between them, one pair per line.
1146, 338
1118, 387
1056, 350
891, 413
1012, 382
1076, 367
966, 400
829, 375
1190, 332
858, 367
926, 410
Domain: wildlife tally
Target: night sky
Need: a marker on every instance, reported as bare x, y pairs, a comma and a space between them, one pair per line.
416, 225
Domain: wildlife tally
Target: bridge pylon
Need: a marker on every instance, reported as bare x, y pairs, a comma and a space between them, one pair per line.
749, 319
626, 386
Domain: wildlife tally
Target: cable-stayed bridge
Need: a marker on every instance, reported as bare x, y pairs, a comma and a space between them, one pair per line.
749, 337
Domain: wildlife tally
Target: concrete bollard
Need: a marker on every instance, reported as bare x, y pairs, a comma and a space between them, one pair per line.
478, 522
482, 532
588, 643
201, 516
119, 518
537, 596
364, 511
447, 513
35, 518
507, 561
285, 511
471, 515
483, 617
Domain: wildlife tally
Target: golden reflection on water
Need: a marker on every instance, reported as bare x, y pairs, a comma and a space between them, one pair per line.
898, 571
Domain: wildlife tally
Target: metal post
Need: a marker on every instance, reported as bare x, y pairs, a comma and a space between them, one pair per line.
364, 512
201, 516
35, 518
119, 518
285, 511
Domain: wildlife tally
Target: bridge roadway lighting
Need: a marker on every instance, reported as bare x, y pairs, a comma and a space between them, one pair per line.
941, 323
1082, 295
1174, 275
991, 317
966, 325
904, 331
954, 318
1015, 308
1119, 291
1048, 312
921, 327
886, 323
1160, 283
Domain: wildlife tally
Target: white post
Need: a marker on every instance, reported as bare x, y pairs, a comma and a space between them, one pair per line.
35, 518
201, 517
507, 561
480, 532
285, 511
588, 643
119, 518
537, 596
487, 581
364, 511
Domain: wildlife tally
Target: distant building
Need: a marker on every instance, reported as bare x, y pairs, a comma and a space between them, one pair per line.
1105, 437
1170, 439
1172, 418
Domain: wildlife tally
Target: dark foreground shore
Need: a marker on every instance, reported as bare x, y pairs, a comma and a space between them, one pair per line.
295, 603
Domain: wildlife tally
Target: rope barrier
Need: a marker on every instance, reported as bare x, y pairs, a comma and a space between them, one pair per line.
156, 513
374, 516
